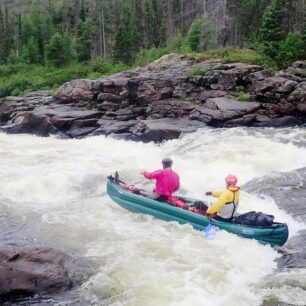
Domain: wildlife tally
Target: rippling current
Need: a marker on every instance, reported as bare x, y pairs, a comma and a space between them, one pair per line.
53, 193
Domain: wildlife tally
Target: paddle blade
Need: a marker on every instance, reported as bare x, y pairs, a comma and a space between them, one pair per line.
209, 232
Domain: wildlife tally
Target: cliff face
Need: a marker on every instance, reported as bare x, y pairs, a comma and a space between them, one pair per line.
162, 100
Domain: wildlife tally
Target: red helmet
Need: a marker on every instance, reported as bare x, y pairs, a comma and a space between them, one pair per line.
231, 180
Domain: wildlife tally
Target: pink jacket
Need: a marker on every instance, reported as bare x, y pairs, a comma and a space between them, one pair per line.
167, 181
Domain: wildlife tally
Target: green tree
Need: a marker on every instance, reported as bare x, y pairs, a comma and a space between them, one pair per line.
2, 38
85, 39
8, 33
193, 35
127, 40
30, 51
58, 50
271, 32
199, 35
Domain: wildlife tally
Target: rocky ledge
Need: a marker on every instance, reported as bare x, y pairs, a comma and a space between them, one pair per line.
162, 100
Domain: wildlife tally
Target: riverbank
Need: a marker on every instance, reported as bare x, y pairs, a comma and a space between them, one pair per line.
173, 95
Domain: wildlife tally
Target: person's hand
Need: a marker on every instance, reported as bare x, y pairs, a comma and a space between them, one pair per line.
208, 193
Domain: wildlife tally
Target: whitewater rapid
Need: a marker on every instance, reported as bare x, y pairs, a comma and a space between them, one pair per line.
57, 189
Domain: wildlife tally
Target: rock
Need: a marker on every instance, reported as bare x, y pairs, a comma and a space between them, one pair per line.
76, 90
32, 123
302, 108
246, 120
110, 98
230, 108
157, 91
68, 112
206, 114
114, 127
108, 106
259, 76
31, 271
278, 122
116, 86
272, 84
158, 130
231, 78
299, 64
206, 94
285, 108
76, 132
299, 94
169, 108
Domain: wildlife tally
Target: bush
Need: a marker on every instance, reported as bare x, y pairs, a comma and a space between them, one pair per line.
21, 78
198, 70
146, 56
291, 49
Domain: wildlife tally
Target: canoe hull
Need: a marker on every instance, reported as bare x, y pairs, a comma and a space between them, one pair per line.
275, 235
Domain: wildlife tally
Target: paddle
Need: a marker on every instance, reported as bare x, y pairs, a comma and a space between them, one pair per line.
209, 231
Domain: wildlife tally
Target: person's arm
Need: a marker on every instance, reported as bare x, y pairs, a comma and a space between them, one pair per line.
152, 175
216, 194
216, 207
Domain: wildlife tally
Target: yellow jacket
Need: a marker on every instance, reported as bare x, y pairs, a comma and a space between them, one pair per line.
225, 203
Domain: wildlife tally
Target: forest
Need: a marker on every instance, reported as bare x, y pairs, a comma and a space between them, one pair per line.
45, 43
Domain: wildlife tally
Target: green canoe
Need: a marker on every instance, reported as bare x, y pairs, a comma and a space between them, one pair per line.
277, 234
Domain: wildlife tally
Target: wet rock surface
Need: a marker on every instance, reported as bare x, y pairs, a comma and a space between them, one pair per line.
29, 271
163, 91
33, 271
289, 192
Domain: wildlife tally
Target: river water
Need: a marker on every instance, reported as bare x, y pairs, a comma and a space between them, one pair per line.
53, 193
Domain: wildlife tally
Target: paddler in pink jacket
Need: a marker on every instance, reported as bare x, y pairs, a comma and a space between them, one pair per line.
167, 181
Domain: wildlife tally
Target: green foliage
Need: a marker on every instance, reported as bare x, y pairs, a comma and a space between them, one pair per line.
84, 39
126, 39
193, 35
198, 70
291, 49
246, 56
241, 95
58, 50
30, 52
16, 79
199, 36
271, 32
146, 56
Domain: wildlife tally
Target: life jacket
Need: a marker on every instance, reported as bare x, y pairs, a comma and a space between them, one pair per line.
229, 209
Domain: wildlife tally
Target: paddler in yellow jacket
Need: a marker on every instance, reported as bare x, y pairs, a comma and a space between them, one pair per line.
227, 203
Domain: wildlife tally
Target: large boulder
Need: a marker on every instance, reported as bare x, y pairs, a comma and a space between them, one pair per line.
31, 271
158, 130
77, 90
32, 123
299, 94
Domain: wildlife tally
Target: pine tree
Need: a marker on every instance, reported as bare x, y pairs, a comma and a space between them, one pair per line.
58, 50
30, 51
85, 39
271, 32
8, 32
193, 35
127, 40
2, 38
